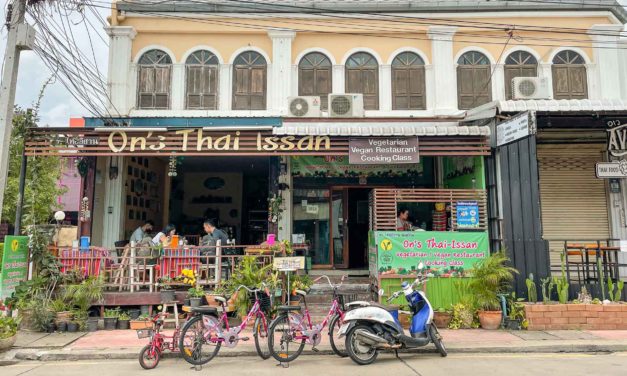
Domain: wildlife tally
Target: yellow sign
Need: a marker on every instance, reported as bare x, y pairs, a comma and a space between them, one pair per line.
386, 244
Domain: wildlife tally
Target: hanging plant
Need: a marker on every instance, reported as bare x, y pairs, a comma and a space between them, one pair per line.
275, 208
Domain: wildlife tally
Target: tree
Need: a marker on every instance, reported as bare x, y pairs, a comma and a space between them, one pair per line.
42, 176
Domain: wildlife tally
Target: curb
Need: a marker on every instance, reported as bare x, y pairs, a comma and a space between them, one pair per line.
60, 355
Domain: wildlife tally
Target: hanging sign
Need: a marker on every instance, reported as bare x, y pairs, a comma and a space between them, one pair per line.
383, 150
609, 170
288, 263
14, 264
467, 214
617, 137
514, 129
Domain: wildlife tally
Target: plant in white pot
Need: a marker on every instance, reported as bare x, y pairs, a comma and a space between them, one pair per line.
491, 277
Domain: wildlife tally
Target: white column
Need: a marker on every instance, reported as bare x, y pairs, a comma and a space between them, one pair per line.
225, 87
607, 59
430, 86
498, 82
338, 79
177, 101
385, 83
622, 58
545, 71
594, 81
294, 91
114, 205
279, 79
443, 68
118, 80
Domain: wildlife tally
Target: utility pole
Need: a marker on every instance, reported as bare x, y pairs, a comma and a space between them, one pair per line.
21, 37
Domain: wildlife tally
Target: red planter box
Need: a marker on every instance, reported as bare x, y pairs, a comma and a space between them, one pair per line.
576, 316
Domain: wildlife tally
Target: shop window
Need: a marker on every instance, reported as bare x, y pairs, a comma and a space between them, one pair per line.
314, 77
155, 70
362, 76
201, 69
570, 80
408, 82
519, 64
474, 86
249, 81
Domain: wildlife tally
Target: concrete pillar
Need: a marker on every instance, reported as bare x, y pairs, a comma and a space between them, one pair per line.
120, 58
114, 204
545, 70
498, 82
177, 100
443, 68
385, 83
606, 57
224, 87
338, 79
280, 71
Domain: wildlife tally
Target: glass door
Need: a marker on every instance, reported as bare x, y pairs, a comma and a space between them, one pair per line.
339, 227
310, 213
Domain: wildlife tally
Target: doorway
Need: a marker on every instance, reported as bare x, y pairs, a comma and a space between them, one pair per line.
349, 227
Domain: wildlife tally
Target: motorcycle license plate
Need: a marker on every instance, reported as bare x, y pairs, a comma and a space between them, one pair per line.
343, 329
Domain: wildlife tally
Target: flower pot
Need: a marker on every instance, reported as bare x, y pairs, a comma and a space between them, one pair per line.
186, 302
490, 320
211, 302
123, 324
140, 324
7, 343
167, 296
134, 313
62, 316
145, 310
110, 323
62, 326
26, 320
194, 302
442, 319
72, 327
513, 324
295, 300
92, 325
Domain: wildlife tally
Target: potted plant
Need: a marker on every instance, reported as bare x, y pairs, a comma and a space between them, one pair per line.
79, 317
442, 318
298, 282
92, 324
165, 289
123, 320
516, 313
111, 318
72, 326
491, 277
8, 332
195, 296
61, 309
142, 322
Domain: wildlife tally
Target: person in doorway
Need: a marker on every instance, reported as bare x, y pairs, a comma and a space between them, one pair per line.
402, 220
140, 233
165, 237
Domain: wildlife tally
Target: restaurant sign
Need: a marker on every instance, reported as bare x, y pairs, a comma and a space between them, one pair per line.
610, 170
617, 138
14, 264
446, 254
514, 129
383, 150
82, 141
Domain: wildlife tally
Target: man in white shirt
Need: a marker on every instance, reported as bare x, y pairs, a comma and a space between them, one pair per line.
140, 233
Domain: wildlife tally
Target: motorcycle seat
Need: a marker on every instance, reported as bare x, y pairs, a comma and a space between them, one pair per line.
288, 308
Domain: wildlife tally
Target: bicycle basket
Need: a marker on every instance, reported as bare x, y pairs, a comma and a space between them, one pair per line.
265, 301
346, 298
144, 333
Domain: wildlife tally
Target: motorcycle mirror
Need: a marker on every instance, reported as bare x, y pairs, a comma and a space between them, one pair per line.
421, 266
381, 292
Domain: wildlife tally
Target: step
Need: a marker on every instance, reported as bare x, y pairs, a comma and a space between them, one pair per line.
353, 288
327, 298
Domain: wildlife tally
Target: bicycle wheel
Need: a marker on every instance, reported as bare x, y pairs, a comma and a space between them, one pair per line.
337, 344
280, 336
194, 346
260, 332
149, 357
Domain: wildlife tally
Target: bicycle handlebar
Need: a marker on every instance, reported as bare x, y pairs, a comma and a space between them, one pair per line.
250, 290
329, 281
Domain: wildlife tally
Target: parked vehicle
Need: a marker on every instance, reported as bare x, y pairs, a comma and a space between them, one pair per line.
150, 355
373, 328
204, 334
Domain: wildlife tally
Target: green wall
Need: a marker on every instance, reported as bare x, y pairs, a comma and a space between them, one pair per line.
459, 171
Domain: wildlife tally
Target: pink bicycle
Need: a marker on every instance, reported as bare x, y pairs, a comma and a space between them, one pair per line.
204, 334
297, 329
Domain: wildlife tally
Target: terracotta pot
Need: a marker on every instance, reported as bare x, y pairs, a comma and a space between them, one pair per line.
140, 324
7, 343
26, 321
63, 316
490, 320
442, 319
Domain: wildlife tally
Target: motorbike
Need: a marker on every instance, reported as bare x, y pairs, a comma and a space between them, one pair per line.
373, 328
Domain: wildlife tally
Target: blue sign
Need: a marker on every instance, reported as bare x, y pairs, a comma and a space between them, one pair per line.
467, 214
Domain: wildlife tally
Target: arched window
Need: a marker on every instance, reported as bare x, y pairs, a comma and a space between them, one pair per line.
362, 76
155, 69
314, 77
249, 81
474, 87
202, 81
519, 64
408, 82
570, 80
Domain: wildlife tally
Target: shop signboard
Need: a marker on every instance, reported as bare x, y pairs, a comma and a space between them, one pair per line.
610, 170
288, 263
14, 264
82, 141
371, 150
514, 129
467, 214
445, 254
616, 137
339, 167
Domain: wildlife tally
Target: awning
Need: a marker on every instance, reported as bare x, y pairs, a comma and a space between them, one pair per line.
489, 110
369, 129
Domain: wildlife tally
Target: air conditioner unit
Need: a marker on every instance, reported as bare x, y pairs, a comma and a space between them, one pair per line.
304, 106
530, 88
346, 105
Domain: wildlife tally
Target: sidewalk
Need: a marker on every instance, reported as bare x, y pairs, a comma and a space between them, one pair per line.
123, 344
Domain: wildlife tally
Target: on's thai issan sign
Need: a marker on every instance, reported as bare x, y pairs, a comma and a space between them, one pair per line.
383, 150
514, 129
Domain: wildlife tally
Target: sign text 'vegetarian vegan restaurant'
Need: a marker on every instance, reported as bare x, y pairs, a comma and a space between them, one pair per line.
340, 181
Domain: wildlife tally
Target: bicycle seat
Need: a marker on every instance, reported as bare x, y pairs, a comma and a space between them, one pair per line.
288, 308
205, 310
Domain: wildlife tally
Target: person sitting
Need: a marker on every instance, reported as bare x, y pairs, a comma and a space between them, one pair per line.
402, 220
164, 237
215, 233
140, 233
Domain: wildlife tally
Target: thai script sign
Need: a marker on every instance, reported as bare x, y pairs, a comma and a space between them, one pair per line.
14, 264
82, 141
445, 254
383, 150
514, 129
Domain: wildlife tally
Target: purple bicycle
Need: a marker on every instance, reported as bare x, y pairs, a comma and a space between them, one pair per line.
204, 334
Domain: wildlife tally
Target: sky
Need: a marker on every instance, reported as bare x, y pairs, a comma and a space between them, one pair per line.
58, 105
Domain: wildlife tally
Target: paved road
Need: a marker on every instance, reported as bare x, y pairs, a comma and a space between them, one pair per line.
408, 365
